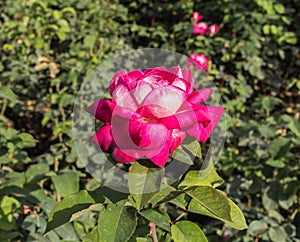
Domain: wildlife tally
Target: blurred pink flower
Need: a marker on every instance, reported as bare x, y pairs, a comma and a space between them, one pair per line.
196, 16
213, 29
150, 113
201, 61
200, 28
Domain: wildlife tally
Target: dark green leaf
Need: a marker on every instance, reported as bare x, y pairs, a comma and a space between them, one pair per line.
64, 210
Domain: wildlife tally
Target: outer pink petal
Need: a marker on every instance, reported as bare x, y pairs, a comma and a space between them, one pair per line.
122, 157
103, 138
102, 109
162, 157
129, 79
123, 98
187, 118
200, 95
116, 80
202, 132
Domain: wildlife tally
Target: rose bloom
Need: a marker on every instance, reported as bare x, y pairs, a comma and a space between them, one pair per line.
213, 29
150, 113
201, 61
196, 16
200, 28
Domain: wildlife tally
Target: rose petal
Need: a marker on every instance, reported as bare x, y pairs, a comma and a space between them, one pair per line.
122, 97
148, 135
200, 95
177, 138
202, 132
102, 109
141, 91
187, 117
122, 157
163, 102
103, 138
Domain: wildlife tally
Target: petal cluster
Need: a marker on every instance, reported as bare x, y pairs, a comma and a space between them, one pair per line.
202, 27
200, 61
150, 113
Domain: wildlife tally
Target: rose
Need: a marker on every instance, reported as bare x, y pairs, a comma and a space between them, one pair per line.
196, 16
200, 60
150, 113
213, 29
200, 28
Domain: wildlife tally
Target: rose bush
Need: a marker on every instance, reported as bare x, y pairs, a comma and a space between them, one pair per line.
151, 112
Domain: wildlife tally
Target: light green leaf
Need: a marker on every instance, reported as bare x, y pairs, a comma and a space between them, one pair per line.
186, 231
64, 210
279, 8
7, 93
36, 172
187, 153
66, 183
206, 177
27, 140
157, 218
117, 223
214, 201
237, 218
144, 182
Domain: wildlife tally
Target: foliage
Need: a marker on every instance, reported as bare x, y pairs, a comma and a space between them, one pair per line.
46, 50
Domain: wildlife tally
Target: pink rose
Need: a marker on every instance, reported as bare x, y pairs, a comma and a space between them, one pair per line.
200, 28
200, 60
196, 16
213, 29
150, 113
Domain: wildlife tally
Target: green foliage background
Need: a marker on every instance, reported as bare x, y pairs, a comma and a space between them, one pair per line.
48, 47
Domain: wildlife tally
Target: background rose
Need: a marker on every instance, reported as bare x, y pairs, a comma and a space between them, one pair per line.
151, 112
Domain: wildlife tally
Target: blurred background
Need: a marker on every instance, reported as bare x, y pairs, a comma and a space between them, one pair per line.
47, 48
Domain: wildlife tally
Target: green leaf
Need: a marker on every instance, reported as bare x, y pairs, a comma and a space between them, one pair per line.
277, 234
117, 223
279, 147
193, 147
186, 231
64, 210
157, 218
144, 182
258, 227
279, 8
187, 153
295, 127
206, 177
36, 172
214, 201
275, 163
27, 140
163, 195
7, 93
66, 183
237, 218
